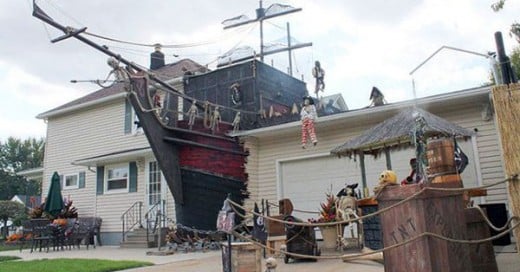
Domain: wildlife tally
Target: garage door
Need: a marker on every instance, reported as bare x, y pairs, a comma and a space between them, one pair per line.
306, 181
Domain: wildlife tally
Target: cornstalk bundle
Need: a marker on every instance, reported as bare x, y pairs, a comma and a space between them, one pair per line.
506, 100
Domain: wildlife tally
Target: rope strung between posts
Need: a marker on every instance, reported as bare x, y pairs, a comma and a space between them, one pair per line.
489, 223
346, 257
513, 177
295, 210
438, 236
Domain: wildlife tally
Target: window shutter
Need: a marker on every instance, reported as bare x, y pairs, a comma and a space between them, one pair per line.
62, 182
133, 177
128, 117
81, 181
100, 173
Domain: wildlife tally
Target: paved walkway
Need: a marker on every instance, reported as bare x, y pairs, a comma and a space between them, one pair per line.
507, 258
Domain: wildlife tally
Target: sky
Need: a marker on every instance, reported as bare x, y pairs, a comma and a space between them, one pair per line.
360, 44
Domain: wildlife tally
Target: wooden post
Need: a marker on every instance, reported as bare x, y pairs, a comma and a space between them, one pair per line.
388, 160
363, 174
506, 100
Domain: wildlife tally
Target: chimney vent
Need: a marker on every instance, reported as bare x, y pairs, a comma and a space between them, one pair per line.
156, 58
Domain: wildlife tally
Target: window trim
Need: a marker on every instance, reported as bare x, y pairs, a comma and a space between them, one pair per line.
107, 180
70, 187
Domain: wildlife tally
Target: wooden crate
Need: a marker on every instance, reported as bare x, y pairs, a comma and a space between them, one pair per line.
276, 243
245, 257
275, 228
432, 211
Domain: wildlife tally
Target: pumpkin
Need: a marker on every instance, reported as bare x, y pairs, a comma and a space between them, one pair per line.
60, 221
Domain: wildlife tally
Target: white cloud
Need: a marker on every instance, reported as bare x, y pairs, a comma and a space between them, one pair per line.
359, 43
25, 96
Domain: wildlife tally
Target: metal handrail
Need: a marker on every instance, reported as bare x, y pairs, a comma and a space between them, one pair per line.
153, 215
131, 217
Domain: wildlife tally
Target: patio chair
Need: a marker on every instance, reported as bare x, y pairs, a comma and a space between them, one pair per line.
27, 234
41, 234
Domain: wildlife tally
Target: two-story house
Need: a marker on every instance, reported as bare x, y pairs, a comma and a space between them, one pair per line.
108, 165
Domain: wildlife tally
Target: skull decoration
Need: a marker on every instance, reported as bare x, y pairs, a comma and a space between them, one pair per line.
388, 176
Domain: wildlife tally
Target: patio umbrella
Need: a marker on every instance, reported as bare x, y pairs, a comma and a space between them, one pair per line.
54, 202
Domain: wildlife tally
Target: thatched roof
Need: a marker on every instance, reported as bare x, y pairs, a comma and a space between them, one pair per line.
397, 132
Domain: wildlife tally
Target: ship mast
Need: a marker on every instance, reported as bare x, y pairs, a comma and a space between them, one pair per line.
260, 17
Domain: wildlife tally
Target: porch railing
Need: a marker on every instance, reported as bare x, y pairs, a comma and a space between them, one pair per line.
154, 218
131, 218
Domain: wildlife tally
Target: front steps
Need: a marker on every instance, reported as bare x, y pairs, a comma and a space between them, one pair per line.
137, 239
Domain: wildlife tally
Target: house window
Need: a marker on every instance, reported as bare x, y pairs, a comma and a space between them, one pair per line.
71, 182
117, 178
132, 125
154, 183
136, 127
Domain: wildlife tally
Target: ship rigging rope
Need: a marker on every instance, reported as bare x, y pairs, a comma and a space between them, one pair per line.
182, 45
224, 35
234, 204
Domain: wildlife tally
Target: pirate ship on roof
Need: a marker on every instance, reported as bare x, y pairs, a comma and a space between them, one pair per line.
189, 132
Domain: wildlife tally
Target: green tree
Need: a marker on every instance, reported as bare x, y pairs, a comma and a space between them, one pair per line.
515, 60
17, 155
11, 210
514, 57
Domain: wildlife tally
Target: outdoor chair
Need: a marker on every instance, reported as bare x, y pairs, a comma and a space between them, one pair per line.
85, 230
70, 233
41, 234
27, 234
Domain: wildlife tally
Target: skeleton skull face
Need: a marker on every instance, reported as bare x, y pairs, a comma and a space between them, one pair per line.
388, 176
271, 263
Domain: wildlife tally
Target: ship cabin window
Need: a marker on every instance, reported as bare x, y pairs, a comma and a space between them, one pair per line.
116, 178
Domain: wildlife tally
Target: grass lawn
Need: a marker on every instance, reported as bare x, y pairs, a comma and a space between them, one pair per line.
8, 258
67, 265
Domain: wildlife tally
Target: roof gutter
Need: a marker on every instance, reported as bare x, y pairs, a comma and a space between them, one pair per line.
363, 111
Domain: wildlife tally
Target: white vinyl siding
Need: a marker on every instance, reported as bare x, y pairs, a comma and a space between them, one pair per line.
278, 152
88, 133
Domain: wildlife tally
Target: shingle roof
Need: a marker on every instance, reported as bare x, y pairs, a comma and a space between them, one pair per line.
166, 72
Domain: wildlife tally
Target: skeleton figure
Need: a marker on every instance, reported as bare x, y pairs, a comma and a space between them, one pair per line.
236, 122
377, 97
270, 264
215, 119
118, 71
319, 74
193, 111
347, 209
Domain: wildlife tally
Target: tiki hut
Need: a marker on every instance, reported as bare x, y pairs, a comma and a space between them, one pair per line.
398, 132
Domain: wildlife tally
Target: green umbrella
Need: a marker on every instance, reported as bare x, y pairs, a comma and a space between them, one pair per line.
54, 202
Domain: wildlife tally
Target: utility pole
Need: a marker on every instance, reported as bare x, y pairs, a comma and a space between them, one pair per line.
260, 17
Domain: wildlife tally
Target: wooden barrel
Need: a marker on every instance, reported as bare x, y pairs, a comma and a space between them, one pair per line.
441, 158
285, 206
